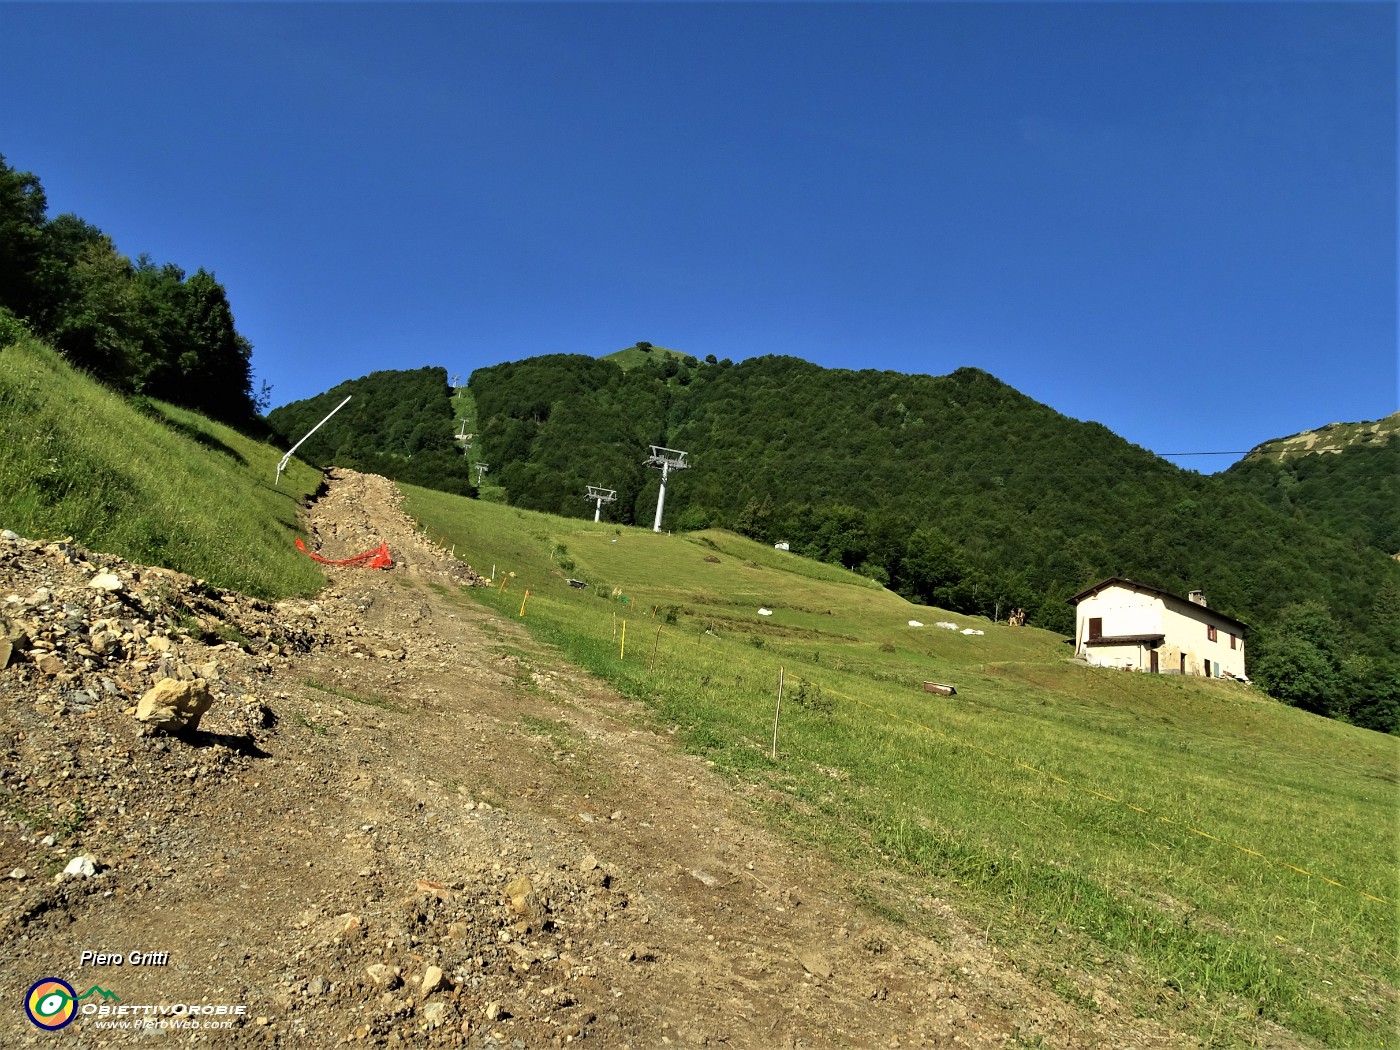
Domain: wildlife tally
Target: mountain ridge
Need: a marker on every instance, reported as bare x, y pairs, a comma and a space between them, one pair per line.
1330, 438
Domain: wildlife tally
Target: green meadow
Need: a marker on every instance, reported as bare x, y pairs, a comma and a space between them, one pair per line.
147, 481
1217, 859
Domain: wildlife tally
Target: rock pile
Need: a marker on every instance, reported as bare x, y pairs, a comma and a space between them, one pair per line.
80, 628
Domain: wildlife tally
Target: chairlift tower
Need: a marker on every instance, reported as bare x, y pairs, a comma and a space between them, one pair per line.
481, 468
599, 497
668, 459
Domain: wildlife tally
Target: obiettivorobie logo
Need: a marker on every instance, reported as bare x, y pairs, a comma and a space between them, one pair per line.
52, 1004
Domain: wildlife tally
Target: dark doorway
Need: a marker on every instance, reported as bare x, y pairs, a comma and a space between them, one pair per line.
1152, 662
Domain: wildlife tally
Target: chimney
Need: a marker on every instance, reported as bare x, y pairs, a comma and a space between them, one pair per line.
1199, 597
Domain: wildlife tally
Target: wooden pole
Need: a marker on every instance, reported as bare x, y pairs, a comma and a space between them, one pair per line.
652, 662
524, 600
776, 709
622, 654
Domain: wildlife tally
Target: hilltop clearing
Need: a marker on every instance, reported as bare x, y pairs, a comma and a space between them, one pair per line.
402, 822
1332, 438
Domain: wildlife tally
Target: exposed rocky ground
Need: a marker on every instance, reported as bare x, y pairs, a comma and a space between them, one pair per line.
401, 822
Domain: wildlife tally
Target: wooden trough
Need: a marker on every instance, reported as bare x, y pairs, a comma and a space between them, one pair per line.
941, 690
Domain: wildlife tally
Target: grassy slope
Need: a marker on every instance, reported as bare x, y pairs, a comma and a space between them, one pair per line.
630, 357
1065, 807
170, 488
464, 407
1333, 438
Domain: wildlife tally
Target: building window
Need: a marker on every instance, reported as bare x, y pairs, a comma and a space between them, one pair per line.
1210, 633
1095, 628
1232, 639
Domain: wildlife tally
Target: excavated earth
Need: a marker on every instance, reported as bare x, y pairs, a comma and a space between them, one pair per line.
402, 822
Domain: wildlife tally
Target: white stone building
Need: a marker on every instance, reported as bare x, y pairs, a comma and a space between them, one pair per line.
1119, 623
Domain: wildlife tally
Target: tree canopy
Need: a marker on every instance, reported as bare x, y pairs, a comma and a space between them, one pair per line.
398, 424
1354, 491
140, 328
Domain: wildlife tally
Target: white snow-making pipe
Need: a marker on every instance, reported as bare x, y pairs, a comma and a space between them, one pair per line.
282, 465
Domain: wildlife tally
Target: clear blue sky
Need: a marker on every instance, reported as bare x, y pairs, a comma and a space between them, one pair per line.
1176, 219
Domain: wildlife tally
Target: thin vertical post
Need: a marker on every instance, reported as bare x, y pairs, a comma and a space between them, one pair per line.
776, 709
600, 496
652, 663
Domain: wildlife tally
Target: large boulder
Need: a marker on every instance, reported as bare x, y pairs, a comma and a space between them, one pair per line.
171, 705
13, 641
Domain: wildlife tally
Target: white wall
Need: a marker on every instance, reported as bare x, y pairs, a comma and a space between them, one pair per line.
1129, 612
1185, 627
1123, 612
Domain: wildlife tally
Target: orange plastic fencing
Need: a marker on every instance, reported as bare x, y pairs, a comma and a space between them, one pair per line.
379, 558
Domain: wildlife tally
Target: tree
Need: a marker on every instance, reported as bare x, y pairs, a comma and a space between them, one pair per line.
756, 519
100, 327
693, 518
932, 568
1297, 660
23, 207
140, 328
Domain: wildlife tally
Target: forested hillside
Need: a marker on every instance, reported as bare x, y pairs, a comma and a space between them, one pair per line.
1344, 476
954, 490
141, 328
398, 424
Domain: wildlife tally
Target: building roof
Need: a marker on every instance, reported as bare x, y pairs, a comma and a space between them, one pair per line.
1156, 592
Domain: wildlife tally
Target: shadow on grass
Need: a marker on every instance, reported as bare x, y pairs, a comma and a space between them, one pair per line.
200, 437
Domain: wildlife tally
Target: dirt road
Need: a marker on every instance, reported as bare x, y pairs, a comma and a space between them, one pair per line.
404, 823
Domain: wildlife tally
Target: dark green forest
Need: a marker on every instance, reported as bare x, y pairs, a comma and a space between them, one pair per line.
398, 424
141, 328
1354, 492
953, 490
